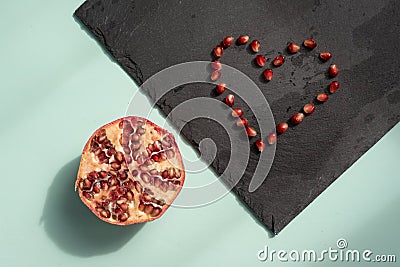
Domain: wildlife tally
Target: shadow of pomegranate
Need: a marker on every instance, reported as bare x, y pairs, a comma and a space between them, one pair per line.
72, 226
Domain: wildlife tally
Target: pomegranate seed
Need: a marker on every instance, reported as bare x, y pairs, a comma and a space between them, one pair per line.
325, 56
242, 122
271, 138
227, 42
308, 108
333, 87
310, 43
268, 73
218, 51
255, 46
293, 48
237, 112
260, 60
216, 65
282, 127
333, 70
250, 131
242, 39
278, 61
297, 118
220, 88
230, 100
215, 75
322, 97
260, 145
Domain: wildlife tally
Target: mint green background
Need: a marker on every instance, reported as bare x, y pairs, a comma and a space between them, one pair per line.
58, 86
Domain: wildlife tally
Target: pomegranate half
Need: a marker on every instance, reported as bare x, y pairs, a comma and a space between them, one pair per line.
130, 171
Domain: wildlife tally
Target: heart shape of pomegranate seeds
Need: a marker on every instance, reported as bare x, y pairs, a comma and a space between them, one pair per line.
268, 73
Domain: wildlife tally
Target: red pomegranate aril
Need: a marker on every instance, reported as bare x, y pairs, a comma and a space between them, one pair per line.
333, 70
111, 190
242, 39
155, 212
242, 122
297, 118
260, 145
278, 61
227, 42
230, 100
333, 86
115, 165
218, 51
282, 127
216, 65
97, 187
255, 46
260, 60
124, 206
87, 184
105, 213
325, 56
88, 195
271, 138
215, 75
220, 88
310, 43
322, 97
268, 73
308, 109
237, 112
251, 131
293, 48
123, 217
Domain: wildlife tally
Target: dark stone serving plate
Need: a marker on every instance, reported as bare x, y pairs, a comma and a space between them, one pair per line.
147, 36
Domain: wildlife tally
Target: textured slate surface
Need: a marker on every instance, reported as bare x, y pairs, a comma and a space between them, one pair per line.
148, 36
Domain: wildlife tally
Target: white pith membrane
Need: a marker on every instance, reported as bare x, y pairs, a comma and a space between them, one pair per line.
130, 171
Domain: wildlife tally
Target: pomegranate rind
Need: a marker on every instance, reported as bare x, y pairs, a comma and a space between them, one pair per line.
86, 165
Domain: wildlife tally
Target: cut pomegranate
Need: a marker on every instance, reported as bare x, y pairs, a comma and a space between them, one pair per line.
251, 131
333, 86
130, 171
333, 70
310, 43
268, 73
220, 88
282, 127
278, 61
218, 51
260, 60
260, 145
297, 118
216, 65
325, 56
255, 46
230, 100
242, 122
242, 39
293, 48
322, 97
308, 109
237, 112
215, 75
227, 42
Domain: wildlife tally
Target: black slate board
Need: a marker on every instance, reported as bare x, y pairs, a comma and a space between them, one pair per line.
148, 36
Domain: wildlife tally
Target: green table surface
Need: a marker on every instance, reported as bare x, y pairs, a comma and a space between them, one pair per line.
58, 86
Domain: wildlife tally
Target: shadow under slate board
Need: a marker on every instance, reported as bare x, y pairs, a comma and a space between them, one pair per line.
147, 36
